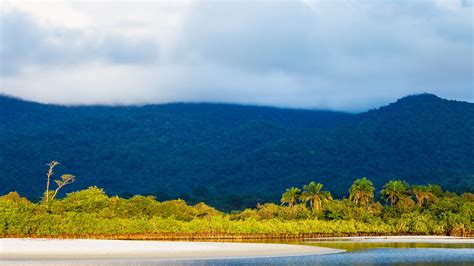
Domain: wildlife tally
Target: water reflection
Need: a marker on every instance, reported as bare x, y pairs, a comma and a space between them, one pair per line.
354, 246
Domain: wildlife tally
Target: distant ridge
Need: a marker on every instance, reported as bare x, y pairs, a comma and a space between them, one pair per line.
420, 98
409, 99
233, 156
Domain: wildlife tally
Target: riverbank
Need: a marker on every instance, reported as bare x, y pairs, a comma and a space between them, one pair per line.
56, 249
396, 239
234, 237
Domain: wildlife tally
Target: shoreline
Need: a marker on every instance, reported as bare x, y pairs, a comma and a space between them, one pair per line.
43, 249
88, 249
395, 239
223, 237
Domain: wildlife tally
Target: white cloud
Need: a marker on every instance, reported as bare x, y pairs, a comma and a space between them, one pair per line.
347, 55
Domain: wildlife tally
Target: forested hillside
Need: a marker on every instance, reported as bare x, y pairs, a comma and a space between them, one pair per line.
233, 156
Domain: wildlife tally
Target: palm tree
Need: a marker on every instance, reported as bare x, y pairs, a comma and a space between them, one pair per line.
290, 196
312, 193
424, 193
362, 191
394, 190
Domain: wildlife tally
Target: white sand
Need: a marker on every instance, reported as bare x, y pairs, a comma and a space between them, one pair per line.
75, 249
398, 239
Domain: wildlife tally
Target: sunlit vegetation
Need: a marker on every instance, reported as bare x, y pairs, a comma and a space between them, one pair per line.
403, 209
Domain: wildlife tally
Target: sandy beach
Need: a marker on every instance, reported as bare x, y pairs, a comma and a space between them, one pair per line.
24, 249
85, 249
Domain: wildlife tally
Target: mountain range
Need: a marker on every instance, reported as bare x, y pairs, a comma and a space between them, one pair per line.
234, 156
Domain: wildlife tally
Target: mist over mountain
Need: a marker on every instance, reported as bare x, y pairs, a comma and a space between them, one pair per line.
233, 156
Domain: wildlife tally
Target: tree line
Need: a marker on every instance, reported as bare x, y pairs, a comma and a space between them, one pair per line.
310, 211
397, 193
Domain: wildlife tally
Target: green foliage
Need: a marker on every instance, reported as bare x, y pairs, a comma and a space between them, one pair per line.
89, 200
314, 194
425, 194
405, 204
291, 196
362, 191
394, 190
92, 212
267, 211
295, 212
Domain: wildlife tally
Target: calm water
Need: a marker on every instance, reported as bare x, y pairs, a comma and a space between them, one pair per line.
357, 254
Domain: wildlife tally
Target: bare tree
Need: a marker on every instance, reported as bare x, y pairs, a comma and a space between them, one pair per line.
51, 165
65, 179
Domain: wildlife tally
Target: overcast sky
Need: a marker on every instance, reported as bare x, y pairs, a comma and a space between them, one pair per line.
341, 55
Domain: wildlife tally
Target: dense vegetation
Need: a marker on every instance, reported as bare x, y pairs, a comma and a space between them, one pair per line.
420, 209
234, 157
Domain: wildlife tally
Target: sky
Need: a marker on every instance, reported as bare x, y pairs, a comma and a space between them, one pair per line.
339, 55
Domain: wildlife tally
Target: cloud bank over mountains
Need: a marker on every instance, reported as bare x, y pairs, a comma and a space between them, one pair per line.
344, 55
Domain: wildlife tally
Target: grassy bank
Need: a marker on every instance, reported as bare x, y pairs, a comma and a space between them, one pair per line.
205, 236
92, 214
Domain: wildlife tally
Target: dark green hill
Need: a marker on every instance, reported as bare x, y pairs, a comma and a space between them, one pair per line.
233, 156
